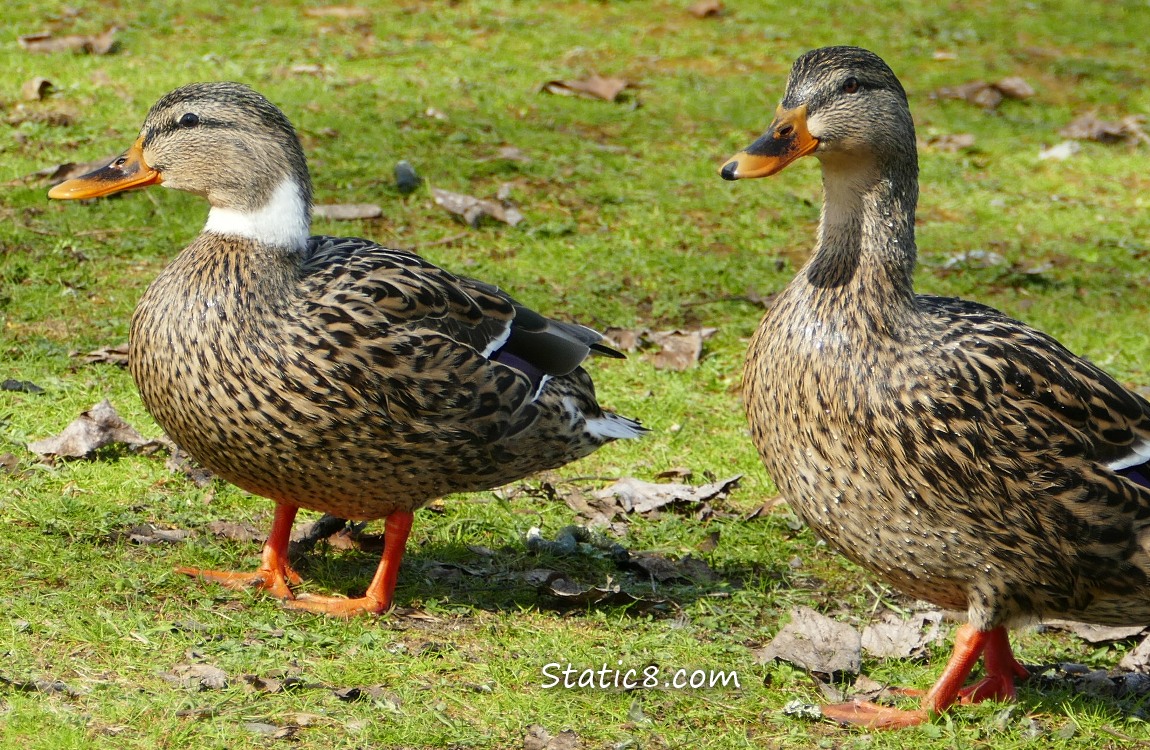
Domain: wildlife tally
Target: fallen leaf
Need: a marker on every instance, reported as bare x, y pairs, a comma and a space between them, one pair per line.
710, 543
179, 462
111, 355
1096, 633
336, 11
271, 731
1015, 87
1088, 127
35, 89
706, 8
980, 93
816, 643
66, 171
623, 339
538, 738
48, 687
472, 210
678, 350
237, 532
197, 676
636, 496
569, 538
592, 87
663, 569
951, 142
346, 211
571, 594
987, 95
307, 536
896, 638
1139, 659
92, 430
20, 386
93, 44
146, 533
10, 465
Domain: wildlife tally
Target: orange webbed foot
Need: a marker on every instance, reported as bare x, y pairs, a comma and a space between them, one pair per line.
264, 579
338, 606
873, 716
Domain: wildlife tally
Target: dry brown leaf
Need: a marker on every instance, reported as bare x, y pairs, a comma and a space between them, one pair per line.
179, 462
48, 687
1096, 633
980, 93
147, 534
92, 430
197, 677
1015, 87
678, 350
951, 142
237, 532
662, 568
572, 594
896, 638
336, 11
1137, 660
623, 339
706, 9
112, 355
538, 738
1088, 127
347, 211
592, 87
631, 495
710, 543
36, 89
93, 44
816, 643
987, 95
472, 210
66, 171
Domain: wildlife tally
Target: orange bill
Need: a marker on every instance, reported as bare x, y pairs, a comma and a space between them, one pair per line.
125, 173
786, 140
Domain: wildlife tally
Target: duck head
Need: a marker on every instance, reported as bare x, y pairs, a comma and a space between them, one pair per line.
227, 143
843, 105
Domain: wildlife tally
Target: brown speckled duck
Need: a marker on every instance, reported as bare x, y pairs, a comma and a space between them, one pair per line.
332, 373
958, 454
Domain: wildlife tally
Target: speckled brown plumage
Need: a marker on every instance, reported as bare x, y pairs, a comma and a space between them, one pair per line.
960, 455
333, 373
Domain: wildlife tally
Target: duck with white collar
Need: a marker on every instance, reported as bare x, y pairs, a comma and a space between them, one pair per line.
332, 373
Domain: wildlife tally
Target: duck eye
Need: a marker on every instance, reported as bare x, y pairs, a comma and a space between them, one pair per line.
189, 120
851, 85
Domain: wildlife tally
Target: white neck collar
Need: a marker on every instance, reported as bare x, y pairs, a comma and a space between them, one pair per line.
282, 222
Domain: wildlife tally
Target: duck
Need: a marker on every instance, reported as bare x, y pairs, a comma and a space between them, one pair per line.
959, 455
332, 373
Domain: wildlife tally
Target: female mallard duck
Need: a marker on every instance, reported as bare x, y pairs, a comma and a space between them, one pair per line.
962, 456
332, 373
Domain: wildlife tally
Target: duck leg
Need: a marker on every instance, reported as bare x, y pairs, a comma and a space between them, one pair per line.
1001, 669
969, 644
377, 598
274, 573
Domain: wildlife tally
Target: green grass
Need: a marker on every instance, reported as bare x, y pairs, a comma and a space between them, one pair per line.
627, 224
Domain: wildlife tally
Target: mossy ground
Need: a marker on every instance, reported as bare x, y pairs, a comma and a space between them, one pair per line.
627, 225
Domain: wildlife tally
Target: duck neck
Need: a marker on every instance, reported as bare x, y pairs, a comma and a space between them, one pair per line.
282, 222
865, 248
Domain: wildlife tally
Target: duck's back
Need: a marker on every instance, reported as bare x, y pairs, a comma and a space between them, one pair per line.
964, 457
355, 379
